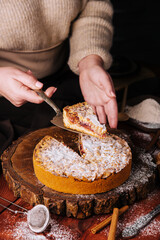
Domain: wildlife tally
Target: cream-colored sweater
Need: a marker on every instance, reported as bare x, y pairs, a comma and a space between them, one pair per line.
37, 26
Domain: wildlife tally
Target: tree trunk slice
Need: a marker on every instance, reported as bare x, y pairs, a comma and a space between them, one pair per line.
18, 170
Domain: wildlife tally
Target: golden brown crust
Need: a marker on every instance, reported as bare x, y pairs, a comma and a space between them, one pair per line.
73, 185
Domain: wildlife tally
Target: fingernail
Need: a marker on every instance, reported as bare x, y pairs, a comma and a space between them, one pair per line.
39, 84
112, 94
54, 90
29, 71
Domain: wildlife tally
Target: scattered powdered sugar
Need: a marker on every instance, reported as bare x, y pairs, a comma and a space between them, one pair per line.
147, 111
56, 231
139, 209
61, 232
145, 157
22, 231
152, 229
142, 135
85, 196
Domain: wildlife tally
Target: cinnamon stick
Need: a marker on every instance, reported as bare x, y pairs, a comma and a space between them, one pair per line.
113, 226
105, 222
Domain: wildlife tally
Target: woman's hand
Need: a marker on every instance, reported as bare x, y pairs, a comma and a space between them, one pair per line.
16, 86
98, 90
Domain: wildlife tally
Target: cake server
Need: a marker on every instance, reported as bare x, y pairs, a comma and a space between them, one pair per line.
58, 119
132, 230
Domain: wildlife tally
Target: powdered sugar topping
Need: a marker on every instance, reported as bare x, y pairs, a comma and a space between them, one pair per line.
111, 154
101, 157
86, 114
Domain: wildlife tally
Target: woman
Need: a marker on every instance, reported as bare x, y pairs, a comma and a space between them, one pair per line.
38, 38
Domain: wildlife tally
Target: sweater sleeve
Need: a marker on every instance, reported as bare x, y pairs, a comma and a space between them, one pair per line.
92, 33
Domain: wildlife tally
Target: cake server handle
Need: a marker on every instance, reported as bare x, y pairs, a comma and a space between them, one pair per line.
42, 94
132, 230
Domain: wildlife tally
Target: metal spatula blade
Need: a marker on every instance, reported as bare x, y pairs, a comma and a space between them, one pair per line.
58, 119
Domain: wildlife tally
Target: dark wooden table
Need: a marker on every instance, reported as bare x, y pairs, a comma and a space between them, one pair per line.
14, 226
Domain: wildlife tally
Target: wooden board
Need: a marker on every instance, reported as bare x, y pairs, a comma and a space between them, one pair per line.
18, 171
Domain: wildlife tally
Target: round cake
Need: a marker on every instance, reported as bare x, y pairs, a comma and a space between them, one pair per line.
101, 165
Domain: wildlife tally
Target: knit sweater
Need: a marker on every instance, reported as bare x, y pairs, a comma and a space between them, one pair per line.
38, 26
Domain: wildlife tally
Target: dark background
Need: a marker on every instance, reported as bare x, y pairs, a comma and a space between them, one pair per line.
137, 38
137, 29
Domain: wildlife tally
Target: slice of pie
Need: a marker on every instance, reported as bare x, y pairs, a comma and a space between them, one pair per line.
82, 118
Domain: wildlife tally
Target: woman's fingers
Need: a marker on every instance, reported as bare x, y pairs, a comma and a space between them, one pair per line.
49, 92
33, 97
30, 95
111, 111
108, 111
103, 81
101, 114
27, 95
28, 79
17, 86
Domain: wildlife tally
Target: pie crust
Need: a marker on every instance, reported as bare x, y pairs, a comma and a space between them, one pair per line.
95, 171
